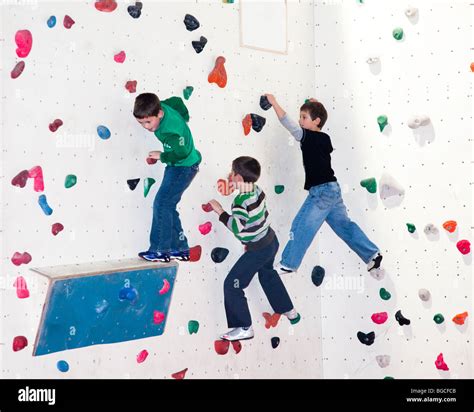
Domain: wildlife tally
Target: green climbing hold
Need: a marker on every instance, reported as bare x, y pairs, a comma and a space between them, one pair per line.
279, 189
71, 180
193, 326
370, 184
188, 92
411, 227
438, 318
148, 183
398, 33
384, 294
382, 120
389, 377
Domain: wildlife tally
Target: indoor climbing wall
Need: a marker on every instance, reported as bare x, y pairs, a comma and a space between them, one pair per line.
76, 187
396, 80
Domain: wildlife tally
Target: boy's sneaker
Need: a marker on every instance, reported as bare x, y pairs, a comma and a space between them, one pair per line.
283, 270
182, 255
375, 262
155, 256
238, 334
293, 316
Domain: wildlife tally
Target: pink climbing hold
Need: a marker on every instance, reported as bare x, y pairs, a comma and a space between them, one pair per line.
379, 318
205, 228
221, 346
55, 125
440, 363
180, 374
141, 357
19, 343
21, 258
120, 57
166, 287
56, 228
464, 246
158, 317
131, 86
20, 179
68, 22
22, 291
195, 253
18, 69
36, 173
24, 41
206, 207
106, 6
237, 346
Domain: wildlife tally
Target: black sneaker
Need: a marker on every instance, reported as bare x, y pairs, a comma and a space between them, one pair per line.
181, 255
375, 262
155, 256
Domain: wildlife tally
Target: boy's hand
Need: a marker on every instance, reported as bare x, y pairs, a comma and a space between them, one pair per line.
271, 98
216, 206
156, 154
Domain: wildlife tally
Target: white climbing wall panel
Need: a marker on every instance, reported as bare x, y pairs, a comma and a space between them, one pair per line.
426, 73
71, 75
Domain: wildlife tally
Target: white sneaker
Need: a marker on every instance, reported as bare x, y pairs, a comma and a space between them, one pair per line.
293, 316
238, 334
283, 270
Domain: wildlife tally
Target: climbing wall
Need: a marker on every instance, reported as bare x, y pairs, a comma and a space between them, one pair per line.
397, 85
68, 111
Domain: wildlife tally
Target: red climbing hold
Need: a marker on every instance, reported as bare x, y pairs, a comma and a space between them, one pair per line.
460, 318
221, 346
24, 41
379, 318
19, 343
205, 228
247, 124
237, 346
158, 317
56, 228
55, 125
195, 253
218, 74
180, 374
271, 321
120, 57
141, 357
450, 225
22, 291
224, 187
106, 5
18, 69
166, 287
36, 173
440, 363
20, 179
131, 86
151, 161
21, 258
464, 246
68, 22
206, 207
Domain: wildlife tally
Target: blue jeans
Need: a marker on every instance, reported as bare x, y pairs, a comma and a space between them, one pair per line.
324, 203
166, 231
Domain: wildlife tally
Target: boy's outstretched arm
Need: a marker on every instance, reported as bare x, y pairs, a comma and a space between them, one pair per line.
294, 128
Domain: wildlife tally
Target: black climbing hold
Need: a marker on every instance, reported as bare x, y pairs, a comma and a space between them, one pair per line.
366, 338
132, 183
218, 254
191, 22
275, 342
257, 122
135, 10
317, 275
199, 44
264, 103
401, 319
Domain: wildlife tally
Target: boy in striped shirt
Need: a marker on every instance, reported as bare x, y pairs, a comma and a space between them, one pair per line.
248, 222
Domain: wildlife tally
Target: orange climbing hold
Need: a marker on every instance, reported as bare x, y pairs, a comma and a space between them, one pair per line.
460, 318
271, 321
180, 374
218, 74
247, 124
472, 67
450, 225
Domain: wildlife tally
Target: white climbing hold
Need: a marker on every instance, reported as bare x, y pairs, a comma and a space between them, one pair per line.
431, 229
415, 122
383, 360
424, 295
411, 12
389, 187
373, 60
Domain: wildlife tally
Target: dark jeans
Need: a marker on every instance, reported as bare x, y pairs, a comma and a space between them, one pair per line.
240, 276
166, 231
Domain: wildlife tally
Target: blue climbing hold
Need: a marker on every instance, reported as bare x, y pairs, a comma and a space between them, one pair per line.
317, 275
51, 22
63, 366
101, 307
44, 205
103, 132
129, 294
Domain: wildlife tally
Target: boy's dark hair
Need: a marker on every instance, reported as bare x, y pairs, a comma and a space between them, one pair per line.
247, 167
146, 105
315, 110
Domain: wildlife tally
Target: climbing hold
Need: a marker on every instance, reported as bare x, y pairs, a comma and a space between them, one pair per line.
70, 181
151, 161
103, 132
366, 338
120, 57
379, 318
383, 360
279, 189
431, 229
207, 207
18, 69
397, 33
424, 295
43, 202
107, 6
24, 41
147, 184
158, 317
450, 225
101, 307
317, 275
247, 124
132, 183
131, 86
21, 258
370, 184
19, 343
460, 318
180, 374
187, 92
21, 178
382, 122
135, 10
401, 319
415, 122
62, 366
22, 291
191, 22
141, 357
36, 173
51, 22
389, 187
224, 187
128, 293
464, 246
411, 11
218, 74
389, 377
199, 45
55, 125
219, 254
257, 122
440, 363
373, 60
195, 253
193, 326
237, 346
56, 228
271, 321
472, 67
275, 342
264, 103
438, 318
68, 22
411, 227
205, 228
384, 294
165, 288
221, 346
